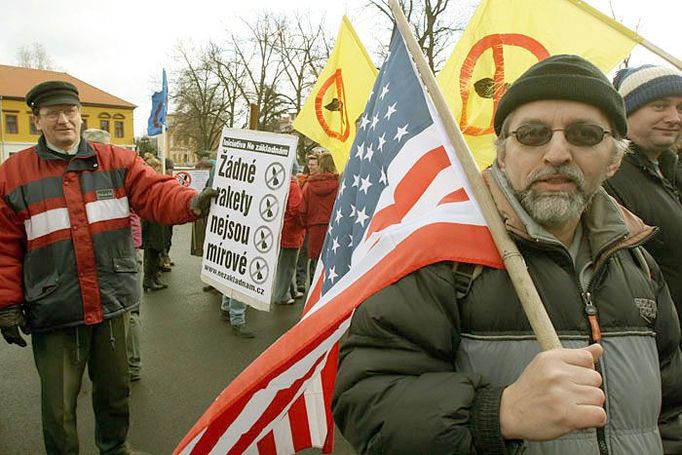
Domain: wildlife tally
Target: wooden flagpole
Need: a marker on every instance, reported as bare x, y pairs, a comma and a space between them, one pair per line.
514, 262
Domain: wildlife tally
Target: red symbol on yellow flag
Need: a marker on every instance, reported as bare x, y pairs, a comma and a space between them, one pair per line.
492, 87
332, 98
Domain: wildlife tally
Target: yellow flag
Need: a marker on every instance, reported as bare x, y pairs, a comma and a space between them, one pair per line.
339, 96
506, 37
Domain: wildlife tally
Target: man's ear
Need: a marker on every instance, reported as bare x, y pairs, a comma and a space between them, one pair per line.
614, 165
500, 158
34, 119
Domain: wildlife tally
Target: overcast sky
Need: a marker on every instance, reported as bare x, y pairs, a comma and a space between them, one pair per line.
122, 46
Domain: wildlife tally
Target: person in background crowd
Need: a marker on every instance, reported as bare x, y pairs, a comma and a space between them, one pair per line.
166, 262
69, 272
647, 182
285, 291
445, 361
154, 241
303, 262
199, 226
134, 333
319, 196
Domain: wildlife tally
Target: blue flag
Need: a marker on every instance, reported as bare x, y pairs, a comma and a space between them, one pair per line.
157, 118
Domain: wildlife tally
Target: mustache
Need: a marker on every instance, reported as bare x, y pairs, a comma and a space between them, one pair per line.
568, 171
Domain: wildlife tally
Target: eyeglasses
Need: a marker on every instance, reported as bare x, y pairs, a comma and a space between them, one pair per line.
579, 134
53, 114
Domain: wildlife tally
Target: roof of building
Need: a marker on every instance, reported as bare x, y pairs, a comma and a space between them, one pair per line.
16, 81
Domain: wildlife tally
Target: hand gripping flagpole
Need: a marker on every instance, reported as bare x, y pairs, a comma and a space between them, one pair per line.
513, 261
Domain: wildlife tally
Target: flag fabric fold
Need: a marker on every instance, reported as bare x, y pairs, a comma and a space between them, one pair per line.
403, 203
157, 117
339, 96
506, 37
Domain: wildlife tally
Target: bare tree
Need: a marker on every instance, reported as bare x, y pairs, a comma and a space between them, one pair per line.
34, 56
258, 66
303, 49
203, 105
434, 24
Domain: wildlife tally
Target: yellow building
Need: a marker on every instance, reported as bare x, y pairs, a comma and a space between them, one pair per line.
100, 109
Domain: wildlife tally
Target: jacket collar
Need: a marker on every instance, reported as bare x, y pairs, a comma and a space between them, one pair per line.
608, 225
667, 162
84, 159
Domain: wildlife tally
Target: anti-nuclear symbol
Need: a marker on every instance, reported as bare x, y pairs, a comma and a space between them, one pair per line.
493, 87
259, 270
274, 176
269, 207
263, 239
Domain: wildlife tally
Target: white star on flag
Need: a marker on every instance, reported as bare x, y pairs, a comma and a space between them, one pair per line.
402, 131
382, 141
384, 91
390, 111
365, 184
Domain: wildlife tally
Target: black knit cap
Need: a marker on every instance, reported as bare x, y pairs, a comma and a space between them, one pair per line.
50, 93
564, 77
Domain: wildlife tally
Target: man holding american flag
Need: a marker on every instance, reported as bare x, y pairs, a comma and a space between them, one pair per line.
445, 361
441, 358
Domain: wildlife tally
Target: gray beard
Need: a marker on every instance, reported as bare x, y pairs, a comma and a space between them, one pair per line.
554, 208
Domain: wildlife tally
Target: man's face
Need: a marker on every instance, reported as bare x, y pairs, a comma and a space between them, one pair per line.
313, 166
555, 181
656, 126
61, 124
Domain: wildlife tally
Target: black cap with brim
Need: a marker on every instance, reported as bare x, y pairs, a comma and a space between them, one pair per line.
564, 77
51, 93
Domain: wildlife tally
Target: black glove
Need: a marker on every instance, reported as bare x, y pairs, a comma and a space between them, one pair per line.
11, 320
201, 203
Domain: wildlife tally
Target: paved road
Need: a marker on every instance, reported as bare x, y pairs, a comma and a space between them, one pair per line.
189, 356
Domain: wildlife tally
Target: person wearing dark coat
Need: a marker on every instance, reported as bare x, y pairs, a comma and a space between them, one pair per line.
648, 182
154, 242
445, 361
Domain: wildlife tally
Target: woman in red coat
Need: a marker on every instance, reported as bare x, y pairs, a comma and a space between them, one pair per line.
293, 232
319, 195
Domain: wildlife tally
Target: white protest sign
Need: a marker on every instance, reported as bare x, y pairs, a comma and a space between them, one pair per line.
193, 178
241, 247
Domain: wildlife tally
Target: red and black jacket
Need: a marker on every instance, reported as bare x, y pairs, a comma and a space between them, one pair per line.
66, 250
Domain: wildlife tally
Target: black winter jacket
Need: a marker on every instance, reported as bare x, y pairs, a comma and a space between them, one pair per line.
422, 372
658, 202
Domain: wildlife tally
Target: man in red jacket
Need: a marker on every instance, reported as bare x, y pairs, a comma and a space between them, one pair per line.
68, 269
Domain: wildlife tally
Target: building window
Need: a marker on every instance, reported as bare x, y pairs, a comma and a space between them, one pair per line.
104, 125
11, 124
84, 125
32, 127
118, 129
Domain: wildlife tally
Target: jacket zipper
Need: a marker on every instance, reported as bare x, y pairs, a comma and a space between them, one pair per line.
595, 337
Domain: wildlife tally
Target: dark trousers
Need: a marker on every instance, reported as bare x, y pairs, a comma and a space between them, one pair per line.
151, 264
61, 357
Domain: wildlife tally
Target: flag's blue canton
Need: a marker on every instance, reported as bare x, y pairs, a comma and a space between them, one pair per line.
396, 112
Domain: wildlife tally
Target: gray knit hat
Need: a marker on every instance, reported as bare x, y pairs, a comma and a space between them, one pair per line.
643, 84
564, 77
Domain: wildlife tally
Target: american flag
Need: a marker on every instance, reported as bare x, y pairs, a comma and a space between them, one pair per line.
403, 203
